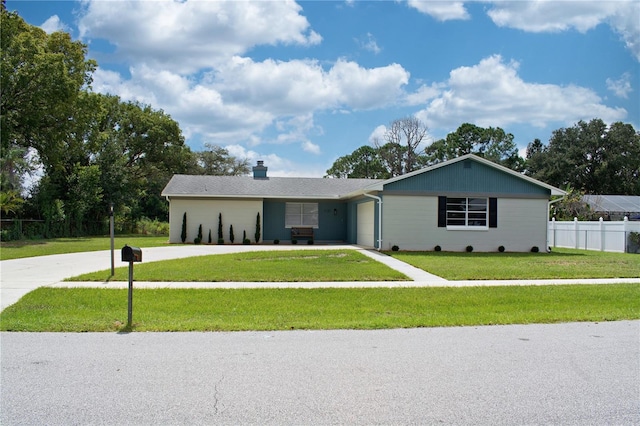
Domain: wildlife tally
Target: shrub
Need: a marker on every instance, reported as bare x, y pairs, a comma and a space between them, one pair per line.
246, 241
146, 226
276, 241
220, 241
437, 248
501, 249
183, 234
197, 240
469, 249
294, 241
310, 242
535, 249
257, 234
395, 248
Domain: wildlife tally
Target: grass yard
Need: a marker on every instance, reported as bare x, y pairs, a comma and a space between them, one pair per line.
91, 309
560, 263
267, 266
348, 265
31, 248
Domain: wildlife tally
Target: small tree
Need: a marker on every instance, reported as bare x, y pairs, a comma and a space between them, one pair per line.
220, 226
183, 235
257, 234
198, 239
209, 236
231, 236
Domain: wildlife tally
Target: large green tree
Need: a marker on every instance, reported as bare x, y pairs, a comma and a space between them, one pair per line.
363, 163
216, 161
591, 157
120, 153
40, 78
491, 143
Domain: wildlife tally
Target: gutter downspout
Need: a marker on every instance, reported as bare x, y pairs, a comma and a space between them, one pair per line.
548, 210
375, 197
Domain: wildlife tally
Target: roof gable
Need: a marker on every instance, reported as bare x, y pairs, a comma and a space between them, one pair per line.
469, 174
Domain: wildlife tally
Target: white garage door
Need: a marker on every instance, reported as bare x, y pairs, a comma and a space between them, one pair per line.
366, 224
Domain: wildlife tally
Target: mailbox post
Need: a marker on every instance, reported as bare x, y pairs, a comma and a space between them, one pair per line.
131, 255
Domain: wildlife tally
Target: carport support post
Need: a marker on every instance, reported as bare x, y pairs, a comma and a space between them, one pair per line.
130, 310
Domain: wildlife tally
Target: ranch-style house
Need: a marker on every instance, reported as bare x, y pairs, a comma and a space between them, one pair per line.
467, 201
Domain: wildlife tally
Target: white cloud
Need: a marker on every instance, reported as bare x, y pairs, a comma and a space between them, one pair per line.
277, 166
492, 94
191, 35
622, 86
554, 16
378, 134
423, 94
54, 24
441, 10
310, 147
369, 43
242, 98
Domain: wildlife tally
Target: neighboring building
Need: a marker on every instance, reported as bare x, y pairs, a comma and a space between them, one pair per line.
454, 204
614, 207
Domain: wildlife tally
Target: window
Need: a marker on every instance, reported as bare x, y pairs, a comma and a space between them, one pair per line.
467, 212
301, 214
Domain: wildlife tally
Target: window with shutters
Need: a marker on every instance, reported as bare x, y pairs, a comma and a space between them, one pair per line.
471, 213
301, 215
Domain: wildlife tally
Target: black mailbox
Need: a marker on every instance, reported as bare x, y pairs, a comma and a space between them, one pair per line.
131, 254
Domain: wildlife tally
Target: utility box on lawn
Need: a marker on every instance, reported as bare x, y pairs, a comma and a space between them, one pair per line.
131, 254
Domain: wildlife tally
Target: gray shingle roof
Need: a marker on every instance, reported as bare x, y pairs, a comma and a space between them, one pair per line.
273, 187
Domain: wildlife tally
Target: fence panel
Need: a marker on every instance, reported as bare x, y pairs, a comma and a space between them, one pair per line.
594, 235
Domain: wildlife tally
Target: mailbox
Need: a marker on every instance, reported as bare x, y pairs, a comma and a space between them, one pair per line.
131, 254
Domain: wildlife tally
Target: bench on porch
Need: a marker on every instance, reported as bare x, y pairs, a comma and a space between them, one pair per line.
297, 233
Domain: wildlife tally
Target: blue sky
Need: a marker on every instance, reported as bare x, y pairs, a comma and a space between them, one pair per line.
300, 84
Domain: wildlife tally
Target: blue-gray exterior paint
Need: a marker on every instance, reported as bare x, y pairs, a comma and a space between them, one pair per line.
459, 177
332, 220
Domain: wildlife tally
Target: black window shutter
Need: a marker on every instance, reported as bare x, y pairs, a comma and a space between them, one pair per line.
442, 212
493, 212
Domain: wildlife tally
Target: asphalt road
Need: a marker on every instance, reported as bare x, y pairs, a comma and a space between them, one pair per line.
568, 374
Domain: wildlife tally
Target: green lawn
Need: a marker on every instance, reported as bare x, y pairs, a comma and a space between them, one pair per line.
560, 263
32, 248
90, 309
348, 265
266, 266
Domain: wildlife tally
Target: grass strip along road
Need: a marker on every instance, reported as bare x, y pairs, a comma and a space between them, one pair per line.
93, 309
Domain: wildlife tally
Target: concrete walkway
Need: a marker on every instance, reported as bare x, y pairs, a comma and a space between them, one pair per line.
20, 276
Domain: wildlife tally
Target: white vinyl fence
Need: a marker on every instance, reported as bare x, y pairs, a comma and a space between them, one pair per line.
595, 235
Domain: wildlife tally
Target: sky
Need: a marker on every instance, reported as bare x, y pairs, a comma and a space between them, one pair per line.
300, 84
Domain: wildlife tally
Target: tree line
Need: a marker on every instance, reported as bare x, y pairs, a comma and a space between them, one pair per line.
93, 150
589, 157
89, 150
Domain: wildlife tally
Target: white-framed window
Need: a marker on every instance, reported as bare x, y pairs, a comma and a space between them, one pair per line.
301, 214
465, 213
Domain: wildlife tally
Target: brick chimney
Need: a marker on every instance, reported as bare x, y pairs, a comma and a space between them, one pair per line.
260, 171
